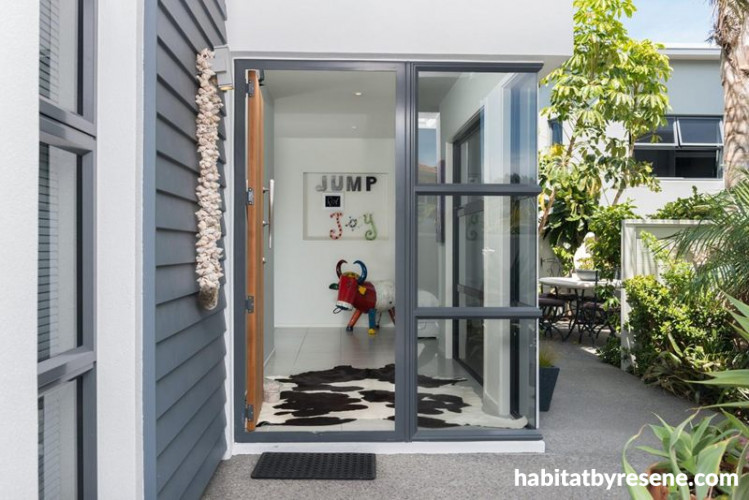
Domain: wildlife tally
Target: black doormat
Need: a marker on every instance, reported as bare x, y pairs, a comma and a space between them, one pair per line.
315, 466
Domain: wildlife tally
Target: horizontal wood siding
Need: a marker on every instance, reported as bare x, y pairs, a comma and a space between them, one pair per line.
189, 341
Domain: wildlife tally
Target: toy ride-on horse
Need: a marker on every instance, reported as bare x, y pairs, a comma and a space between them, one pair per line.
362, 296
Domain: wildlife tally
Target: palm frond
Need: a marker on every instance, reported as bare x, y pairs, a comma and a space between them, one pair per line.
719, 247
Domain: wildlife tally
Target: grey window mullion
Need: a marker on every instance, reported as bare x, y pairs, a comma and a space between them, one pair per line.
64, 367
478, 189
477, 312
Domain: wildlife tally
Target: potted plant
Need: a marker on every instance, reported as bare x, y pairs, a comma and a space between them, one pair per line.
586, 269
547, 375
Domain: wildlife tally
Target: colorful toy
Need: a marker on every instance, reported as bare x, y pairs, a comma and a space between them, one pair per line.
362, 296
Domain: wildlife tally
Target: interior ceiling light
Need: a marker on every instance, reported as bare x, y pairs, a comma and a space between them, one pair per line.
358, 94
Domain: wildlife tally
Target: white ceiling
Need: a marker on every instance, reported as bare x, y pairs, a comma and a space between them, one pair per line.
325, 104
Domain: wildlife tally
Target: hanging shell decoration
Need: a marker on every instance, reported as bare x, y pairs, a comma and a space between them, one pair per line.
208, 253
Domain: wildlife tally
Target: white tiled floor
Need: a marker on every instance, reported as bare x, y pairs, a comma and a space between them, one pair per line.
299, 350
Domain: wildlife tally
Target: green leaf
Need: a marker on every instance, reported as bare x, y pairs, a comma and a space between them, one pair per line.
637, 492
653, 451
738, 378
708, 462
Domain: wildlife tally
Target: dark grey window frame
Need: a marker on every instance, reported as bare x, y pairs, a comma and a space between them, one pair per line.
678, 146
76, 133
407, 190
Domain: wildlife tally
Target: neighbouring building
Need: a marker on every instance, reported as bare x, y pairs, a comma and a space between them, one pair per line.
690, 149
400, 137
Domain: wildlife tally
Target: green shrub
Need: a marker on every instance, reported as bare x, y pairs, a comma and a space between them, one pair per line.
606, 224
680, 335
696, 207
611, 352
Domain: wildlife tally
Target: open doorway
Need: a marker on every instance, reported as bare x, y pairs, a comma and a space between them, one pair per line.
321, 250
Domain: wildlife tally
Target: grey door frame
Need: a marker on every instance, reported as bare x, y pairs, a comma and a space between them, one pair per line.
406, 428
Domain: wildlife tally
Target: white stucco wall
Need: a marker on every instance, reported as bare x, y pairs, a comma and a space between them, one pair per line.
119, 182
534, 30
19, 113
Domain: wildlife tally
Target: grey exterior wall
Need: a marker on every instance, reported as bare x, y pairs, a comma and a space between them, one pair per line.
695, 88
184, 346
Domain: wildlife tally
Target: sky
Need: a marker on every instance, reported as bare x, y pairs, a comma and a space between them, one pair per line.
671, 21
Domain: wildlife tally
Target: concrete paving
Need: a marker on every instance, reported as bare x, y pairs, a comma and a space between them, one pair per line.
596, 408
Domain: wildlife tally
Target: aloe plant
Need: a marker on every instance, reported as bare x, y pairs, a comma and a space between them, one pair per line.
689, 449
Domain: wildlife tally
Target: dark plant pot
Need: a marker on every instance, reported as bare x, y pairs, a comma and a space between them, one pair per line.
547, 381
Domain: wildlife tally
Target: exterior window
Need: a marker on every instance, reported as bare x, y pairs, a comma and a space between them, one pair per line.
65, 332
557, 132
689, 147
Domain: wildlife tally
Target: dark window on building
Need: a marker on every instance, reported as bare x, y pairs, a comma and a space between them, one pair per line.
686, 146
557, 132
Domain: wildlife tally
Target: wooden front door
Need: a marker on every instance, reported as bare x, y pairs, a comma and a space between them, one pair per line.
255, 251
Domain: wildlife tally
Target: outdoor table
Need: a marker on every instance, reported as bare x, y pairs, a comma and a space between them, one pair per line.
579, 287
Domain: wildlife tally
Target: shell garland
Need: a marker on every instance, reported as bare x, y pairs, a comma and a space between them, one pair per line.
208, 253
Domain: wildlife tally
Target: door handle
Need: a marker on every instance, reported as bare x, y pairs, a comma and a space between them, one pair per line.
270, 190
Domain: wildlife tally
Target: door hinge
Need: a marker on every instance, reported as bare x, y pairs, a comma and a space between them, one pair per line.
249, 413
249, 304
250, 88
250, 196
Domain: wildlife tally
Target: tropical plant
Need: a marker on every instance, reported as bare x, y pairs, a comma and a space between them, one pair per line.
719, 247
735, 379
731, 33
695, 207
610, 79
606, 247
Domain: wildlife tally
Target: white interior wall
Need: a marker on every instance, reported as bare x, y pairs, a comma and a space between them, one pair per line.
305, 268
19, 113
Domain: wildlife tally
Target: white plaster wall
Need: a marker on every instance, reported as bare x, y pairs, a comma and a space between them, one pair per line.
534, 30
19, 113
119, 250
305, 268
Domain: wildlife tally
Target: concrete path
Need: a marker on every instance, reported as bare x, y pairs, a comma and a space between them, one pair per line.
596, 408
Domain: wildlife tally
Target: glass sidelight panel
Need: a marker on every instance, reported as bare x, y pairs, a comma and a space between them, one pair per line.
58, 259
476, 373
59, 442
477, 128
59, 39
476, 251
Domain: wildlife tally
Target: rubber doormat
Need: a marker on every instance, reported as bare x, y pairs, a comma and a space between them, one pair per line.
344, 466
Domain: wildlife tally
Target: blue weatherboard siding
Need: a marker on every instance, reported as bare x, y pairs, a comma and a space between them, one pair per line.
186, 416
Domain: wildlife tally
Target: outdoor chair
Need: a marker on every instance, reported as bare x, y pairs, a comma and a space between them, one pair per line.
552, 310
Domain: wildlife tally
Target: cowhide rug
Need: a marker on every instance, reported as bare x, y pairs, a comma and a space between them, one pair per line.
344, 394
